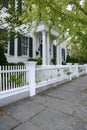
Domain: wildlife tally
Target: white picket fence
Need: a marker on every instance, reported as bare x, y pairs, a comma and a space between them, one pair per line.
12, 77
22, 81
51, 74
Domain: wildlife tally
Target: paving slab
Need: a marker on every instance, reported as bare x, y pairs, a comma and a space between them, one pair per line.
25, 110
58, 104
66, 95
51, 119
27, 126
81, 113
8, 122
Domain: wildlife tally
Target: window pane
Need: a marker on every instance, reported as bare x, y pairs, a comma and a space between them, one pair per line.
63, 54
24, 45
5, 3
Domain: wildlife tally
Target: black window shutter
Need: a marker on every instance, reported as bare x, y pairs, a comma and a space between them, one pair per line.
54, 51
20, 6
63, 54
11, 44
19, 45
30, 46
41, 50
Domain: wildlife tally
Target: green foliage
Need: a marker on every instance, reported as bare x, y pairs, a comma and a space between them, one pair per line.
38, 81
17, 79
67, 72
71, 59
3, 60
12, 20
38, 60
55, 13
80, 69
68, 59
32, 59
79, 53
18, 63
68, 22
58, 74
53, 60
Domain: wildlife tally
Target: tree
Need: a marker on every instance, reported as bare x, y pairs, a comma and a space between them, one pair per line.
68, 17
79, 52
9, 19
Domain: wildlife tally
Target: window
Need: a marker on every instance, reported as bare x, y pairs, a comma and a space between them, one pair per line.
12, 42
6, 47
5, 3
24, 45
63, 54
54, 51
19, 6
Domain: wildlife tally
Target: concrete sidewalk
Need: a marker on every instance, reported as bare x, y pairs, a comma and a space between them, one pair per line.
61, 108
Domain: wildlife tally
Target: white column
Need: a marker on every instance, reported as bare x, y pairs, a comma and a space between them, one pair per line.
71, 72
60, 54
65, 43
77, 71
34, 46
30, 77
44, 48
86, 68
48, 50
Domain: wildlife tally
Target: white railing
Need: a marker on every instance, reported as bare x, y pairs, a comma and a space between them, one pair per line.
77, 70
17, 79
49, 74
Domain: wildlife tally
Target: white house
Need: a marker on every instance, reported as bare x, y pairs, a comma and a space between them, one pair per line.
30, 45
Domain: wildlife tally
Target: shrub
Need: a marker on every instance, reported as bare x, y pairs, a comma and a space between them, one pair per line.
32, 59
68, 59
53, 60
3, 60
39, 61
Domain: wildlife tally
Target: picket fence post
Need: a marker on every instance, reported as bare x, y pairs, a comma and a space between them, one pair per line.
70, 68
77, 71
30, 76
86, 68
